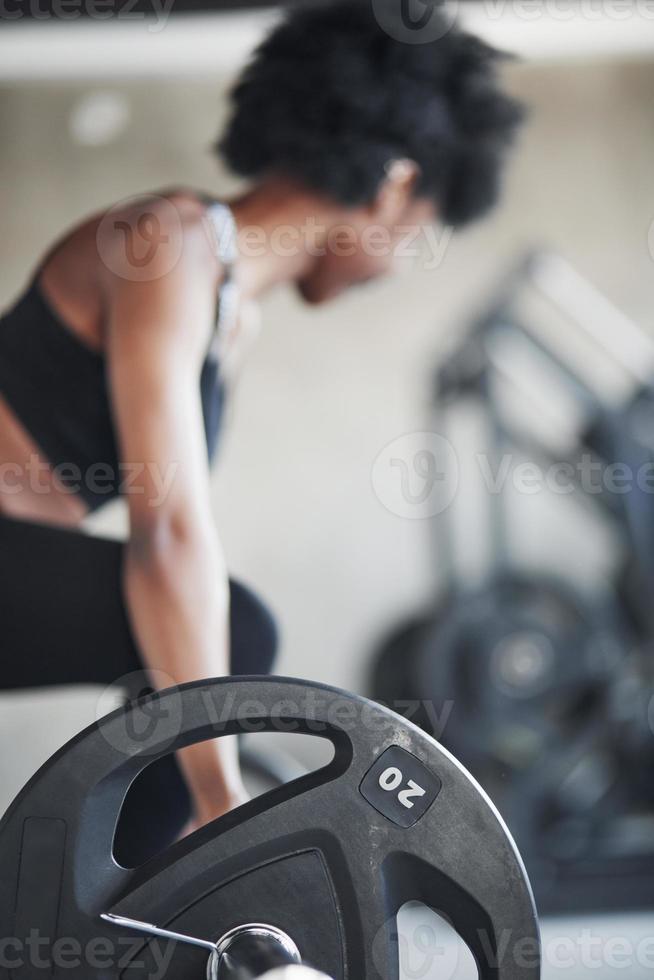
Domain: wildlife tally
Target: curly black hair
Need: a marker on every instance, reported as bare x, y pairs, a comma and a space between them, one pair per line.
331, 96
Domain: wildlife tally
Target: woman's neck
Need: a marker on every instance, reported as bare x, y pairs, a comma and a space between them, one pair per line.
280, 229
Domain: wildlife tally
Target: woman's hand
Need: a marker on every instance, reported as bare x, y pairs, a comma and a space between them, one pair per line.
210, 809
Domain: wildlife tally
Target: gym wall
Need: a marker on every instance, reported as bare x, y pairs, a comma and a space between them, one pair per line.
293, 495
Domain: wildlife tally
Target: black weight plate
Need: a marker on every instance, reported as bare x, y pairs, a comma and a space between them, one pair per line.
319, 838
293, 894
515, 660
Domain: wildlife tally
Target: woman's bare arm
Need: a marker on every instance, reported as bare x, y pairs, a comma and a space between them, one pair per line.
175, 580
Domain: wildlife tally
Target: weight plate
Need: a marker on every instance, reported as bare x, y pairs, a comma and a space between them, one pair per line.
515, 661
314, 858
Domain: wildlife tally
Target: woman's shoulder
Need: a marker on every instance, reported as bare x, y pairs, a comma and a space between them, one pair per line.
157, 230
175, 210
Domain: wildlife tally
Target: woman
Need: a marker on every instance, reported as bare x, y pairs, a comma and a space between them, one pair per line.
112, 364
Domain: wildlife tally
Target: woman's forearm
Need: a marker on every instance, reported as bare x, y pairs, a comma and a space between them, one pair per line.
177, 596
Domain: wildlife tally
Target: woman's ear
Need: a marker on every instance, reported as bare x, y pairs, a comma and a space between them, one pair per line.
396, 190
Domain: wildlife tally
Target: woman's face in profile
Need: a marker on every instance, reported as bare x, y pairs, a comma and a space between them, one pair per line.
368, 244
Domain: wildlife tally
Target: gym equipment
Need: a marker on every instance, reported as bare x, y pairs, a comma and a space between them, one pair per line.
611, 428
540, 684
501, 656
568, 762
328, 859
243, 953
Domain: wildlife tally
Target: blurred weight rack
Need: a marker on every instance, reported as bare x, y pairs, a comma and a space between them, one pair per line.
537, 651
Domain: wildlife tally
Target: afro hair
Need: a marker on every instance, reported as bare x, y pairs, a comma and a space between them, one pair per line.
334, 93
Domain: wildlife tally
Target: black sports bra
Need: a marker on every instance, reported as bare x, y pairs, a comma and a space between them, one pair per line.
57, 386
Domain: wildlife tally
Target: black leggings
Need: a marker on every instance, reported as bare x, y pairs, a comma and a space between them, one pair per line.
63, 621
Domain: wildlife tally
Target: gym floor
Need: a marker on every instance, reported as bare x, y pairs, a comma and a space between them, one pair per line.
293, 495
